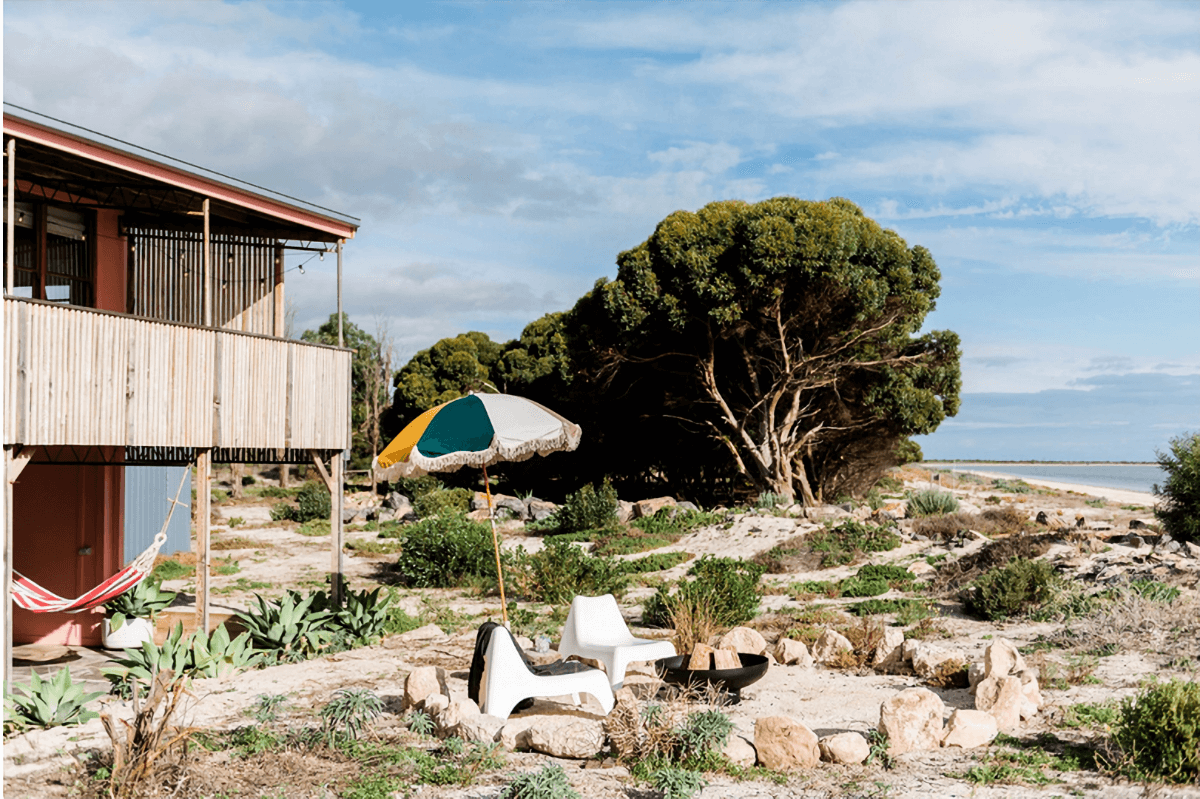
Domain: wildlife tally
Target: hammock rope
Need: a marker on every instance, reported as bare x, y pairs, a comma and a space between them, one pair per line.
29, 595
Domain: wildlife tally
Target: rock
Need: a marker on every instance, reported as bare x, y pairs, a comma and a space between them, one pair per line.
824, 513
970, 728
685, 505
516, 508
480, 727
649, 507
744, 640
847, 748
792, 653
426, 633
566, 736
348, 515
830, 646
1001, 659
421, 683
436, 705
910, 646
1170, 546
539, 509
1192, 550
1140, 524
449, 716
624, 511
912, 720
1031, 697
930, 660
920, 568
387, 515
975, 675
784, 744
397, 501
1002, 697
1134, 541
524, 642
890, 649
738, 749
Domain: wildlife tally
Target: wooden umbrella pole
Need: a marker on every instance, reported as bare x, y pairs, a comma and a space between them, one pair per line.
487, 488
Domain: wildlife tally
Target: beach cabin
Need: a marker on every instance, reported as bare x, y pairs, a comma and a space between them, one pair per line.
143, 326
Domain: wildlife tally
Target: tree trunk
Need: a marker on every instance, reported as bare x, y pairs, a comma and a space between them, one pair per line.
237, 491
285, 476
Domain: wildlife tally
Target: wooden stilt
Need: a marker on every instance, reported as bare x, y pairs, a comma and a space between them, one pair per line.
337, 532
203, 544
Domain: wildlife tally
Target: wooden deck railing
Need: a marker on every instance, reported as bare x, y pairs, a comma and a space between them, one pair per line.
81, 377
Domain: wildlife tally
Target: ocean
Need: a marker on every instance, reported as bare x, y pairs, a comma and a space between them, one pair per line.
1127, 476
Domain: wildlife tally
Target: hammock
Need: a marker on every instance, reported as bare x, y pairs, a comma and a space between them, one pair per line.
31, 596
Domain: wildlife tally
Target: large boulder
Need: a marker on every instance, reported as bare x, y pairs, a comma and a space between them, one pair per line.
1001, 659
784, 744
930, 660
540, 509
745, 640
830, 646
649, 507
847, 748
912, 720
790, 652
889, 649
970, 728
423, 682
567, 736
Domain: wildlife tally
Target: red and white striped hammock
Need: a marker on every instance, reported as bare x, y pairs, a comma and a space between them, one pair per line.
31, 596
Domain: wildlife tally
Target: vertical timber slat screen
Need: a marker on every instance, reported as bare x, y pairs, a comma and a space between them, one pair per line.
80, 377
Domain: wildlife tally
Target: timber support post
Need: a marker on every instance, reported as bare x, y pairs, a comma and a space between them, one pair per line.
203, 543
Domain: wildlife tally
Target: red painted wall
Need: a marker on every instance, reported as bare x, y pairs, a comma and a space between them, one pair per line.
57, 511
111, 271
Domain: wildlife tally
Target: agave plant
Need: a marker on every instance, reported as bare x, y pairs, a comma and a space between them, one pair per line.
291, 626
364, 615
144, 601
215, 655
143, 662
49, 703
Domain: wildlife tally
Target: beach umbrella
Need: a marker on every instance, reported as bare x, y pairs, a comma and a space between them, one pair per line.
477, 430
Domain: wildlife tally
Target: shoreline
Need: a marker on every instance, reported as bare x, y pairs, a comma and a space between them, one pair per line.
1123, 496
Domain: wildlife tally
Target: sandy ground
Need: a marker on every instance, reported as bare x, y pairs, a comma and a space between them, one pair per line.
826, 700
1117, 495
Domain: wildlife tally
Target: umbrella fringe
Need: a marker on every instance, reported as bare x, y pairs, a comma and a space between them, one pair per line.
418, 464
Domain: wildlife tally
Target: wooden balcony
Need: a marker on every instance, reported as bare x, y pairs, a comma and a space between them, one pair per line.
81, 377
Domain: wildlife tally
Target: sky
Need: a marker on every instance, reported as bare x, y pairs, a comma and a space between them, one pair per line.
501, 155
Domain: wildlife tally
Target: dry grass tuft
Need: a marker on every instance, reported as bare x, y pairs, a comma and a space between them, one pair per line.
953, 576
150, 750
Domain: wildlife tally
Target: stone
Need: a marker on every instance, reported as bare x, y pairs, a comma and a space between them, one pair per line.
449, 716
744, 640
930, 660
349, 514
912, 721
1031, 697
784, 744
738, 749
975, 675
649, 507
846, 748
792, 653
1134, 541
1192, 550
480, 727
566, 736
397, 501
910, 646
1001, 659
539, 509
1140, 524
970, 728
426, 633
920, 568
436, 705
685, 505
624, 511
515, 507
421, 683
830, 646
890, 648
1002, 697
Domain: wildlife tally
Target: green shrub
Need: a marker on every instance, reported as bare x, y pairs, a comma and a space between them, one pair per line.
54, 702
1178, 508
442, 551
414, 487
863, 586
1010, 590
908, 611
677, 783
931, 502
314, 528
170, 569
588, 508
443, 501
283, 512
657, 562
1012, 486
847, 542
550, 782
727, 588
671, 521
559, 571
196, 655
1158, 733
312, 502
769, 500
348, 713
271, 492
895, 576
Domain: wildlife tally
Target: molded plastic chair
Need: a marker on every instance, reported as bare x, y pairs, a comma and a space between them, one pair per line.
508, 679
595, 629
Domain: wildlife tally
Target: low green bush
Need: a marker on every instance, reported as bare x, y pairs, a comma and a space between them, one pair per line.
312, 502
1158, 733
931, 502
848, 541
672, 521
726, 588
588, 508
657, 562
1013, 486
443, 501
550, 782
53, 702
442, 551
283, 512
863, 586
559, 571
1010, 590
1178, 507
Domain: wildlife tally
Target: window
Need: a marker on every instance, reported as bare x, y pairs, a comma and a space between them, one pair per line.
52, 258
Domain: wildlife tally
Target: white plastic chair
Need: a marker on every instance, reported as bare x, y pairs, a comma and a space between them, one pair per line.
508, 679
595, 629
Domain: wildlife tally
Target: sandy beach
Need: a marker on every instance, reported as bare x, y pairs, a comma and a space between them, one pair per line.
1112, 494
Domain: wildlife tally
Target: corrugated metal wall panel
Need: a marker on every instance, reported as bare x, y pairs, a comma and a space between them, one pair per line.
148, 494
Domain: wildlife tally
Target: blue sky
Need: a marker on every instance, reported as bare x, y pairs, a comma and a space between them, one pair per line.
500, 156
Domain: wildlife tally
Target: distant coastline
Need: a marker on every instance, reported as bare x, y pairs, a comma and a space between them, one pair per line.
1048, 463
1137, 476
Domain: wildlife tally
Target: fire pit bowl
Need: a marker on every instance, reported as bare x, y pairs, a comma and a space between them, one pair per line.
732, 681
